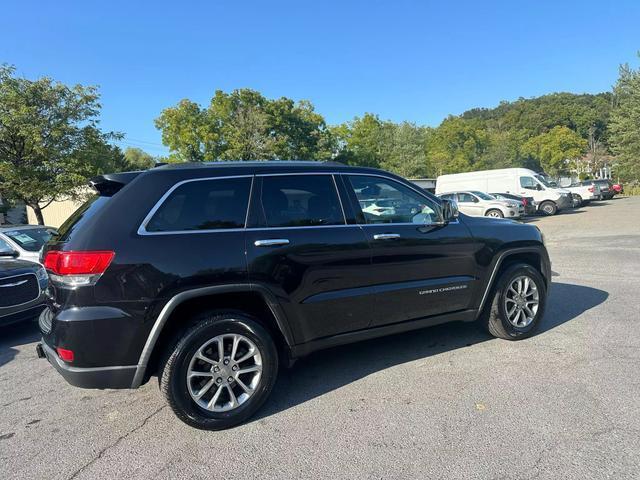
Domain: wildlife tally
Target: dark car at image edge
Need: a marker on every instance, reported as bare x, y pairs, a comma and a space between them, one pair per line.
210, 276
22, 286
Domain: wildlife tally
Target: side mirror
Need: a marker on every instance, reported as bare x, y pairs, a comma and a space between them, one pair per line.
9, 253
538, 186
449, 210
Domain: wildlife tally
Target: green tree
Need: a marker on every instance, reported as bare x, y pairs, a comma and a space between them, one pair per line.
244, 125
49, 140
138, 159
555, 149
583, 113
361, 141
625, 124
187, 132
405, 152
457, 145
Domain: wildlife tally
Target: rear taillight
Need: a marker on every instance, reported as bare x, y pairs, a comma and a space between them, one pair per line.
591, 189
76, 269
64, 354
524, 202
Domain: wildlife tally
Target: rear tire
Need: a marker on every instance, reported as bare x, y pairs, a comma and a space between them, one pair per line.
185, 373
494, 213
500, 319
548, 208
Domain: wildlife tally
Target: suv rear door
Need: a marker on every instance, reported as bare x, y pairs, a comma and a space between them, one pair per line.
420, 266
470, 205
301, 247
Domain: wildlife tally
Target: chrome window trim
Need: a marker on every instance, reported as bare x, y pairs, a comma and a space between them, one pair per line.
142, 229
37, 283
143, 232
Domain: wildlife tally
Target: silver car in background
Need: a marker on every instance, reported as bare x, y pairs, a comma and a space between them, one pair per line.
25, 240
480, 204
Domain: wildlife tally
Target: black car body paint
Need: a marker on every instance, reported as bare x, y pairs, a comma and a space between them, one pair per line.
328, 284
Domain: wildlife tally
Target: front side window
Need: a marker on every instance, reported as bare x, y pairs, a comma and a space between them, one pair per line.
216, 204
300, 201
528, 183
386, 201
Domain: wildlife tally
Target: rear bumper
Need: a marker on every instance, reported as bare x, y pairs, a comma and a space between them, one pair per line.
103, 339
95, 377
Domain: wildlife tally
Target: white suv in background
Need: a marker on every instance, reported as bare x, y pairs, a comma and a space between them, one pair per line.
586, 193
480, 204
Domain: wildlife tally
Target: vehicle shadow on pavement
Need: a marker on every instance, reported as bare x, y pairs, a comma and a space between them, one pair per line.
14, 336
331, 369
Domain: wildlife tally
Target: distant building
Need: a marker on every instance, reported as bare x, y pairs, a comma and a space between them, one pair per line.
56, 213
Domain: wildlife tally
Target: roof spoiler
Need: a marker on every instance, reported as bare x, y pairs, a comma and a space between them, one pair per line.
109, 184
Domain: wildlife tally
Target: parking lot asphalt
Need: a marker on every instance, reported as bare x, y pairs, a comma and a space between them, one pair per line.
444, 402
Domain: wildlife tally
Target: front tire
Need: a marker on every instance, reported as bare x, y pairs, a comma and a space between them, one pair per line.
220, 372
494, 213
579, 201
549, 208
518, 303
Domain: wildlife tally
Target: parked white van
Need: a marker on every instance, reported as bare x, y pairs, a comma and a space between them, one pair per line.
520, 181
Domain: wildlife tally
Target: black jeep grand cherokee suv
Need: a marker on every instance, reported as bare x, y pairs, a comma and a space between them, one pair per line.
211, 275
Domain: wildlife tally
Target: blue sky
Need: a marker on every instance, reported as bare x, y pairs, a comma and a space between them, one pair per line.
416, 61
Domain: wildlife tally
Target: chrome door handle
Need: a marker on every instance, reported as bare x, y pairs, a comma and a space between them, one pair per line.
386, 236
271, 242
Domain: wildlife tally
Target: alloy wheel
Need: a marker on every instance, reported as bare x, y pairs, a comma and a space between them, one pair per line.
224, 372
521, 301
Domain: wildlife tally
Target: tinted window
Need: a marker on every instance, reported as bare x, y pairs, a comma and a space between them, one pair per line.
300, 201
30, 239
81, 216
386, 201
203, 205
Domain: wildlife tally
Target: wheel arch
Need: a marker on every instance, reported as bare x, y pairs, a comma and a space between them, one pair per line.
502, 210
252, 299
533, 256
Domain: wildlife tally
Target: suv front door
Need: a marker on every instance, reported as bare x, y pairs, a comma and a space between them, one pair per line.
420, 265
300, 246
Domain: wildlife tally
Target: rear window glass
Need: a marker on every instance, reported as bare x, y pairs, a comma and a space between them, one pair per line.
203, 205
80, 217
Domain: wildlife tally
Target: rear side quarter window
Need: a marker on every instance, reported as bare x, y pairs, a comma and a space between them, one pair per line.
197, 205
